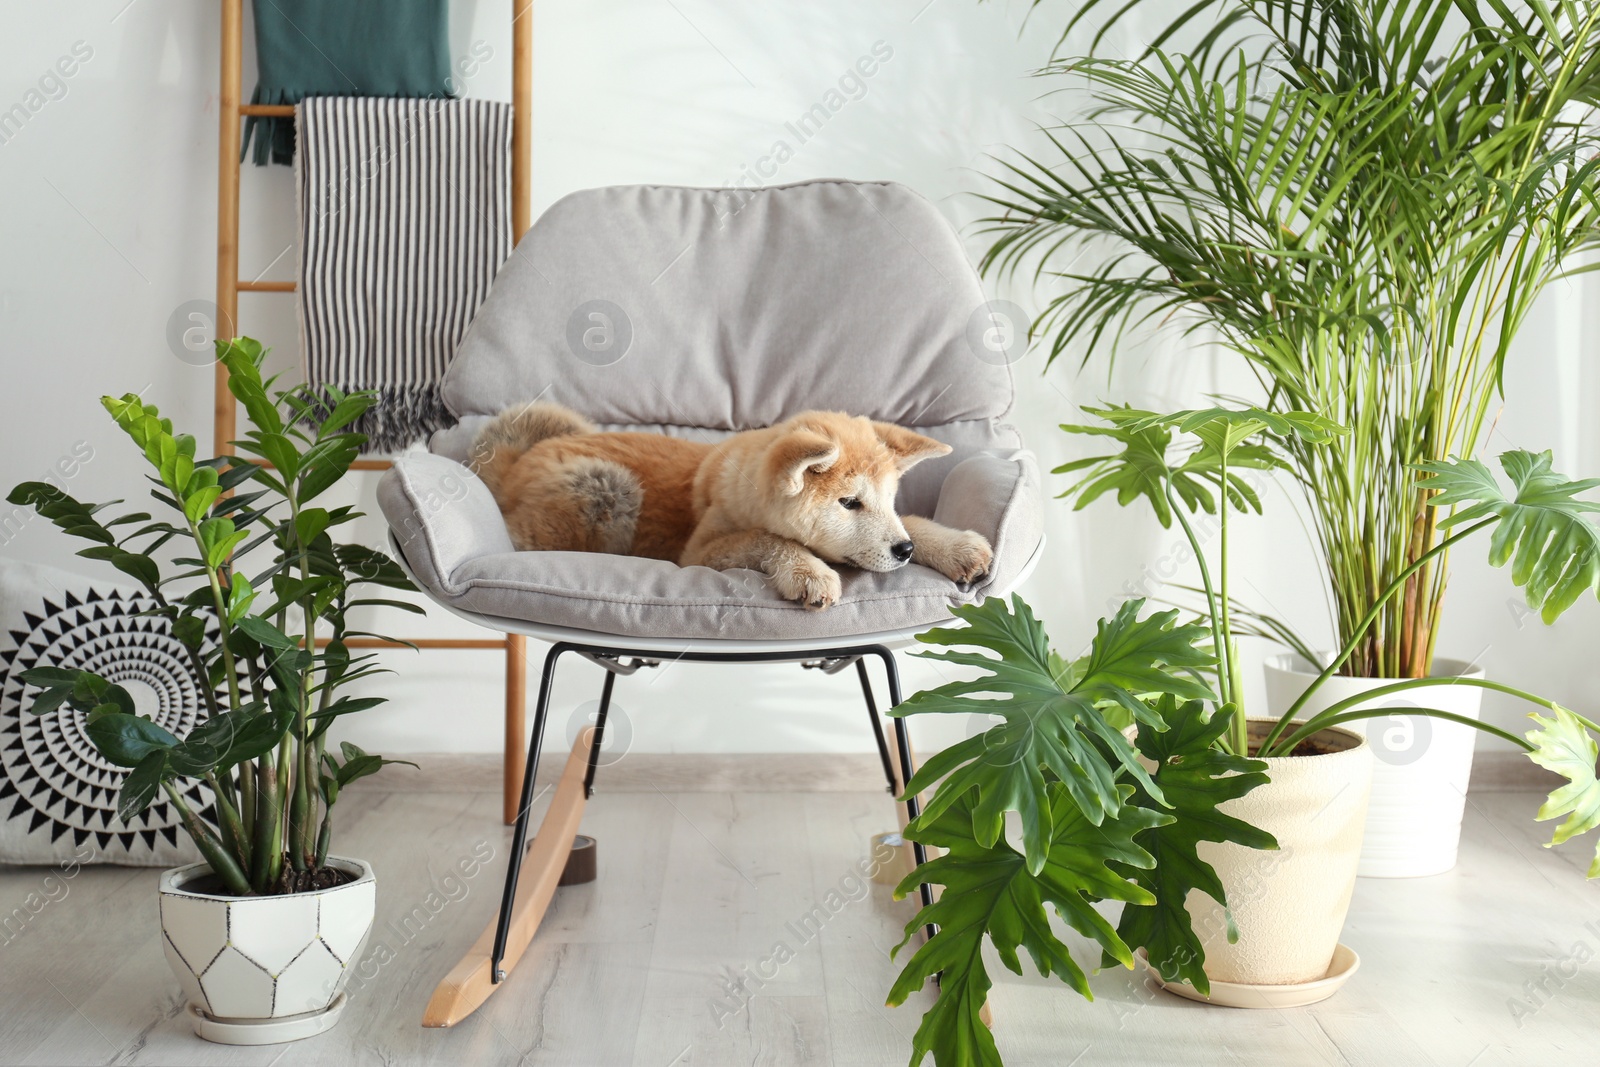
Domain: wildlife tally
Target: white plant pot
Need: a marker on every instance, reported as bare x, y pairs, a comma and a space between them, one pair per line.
1289, 905
260, 970
1421, 764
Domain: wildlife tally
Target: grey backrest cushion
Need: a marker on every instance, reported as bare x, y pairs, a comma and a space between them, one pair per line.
730, 309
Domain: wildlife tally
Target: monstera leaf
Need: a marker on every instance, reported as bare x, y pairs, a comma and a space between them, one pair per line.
1228, 440
1195, 776
1562, 744
1051, 720
990, 890
1553, 550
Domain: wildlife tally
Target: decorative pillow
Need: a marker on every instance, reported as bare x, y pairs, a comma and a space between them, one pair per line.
58, 796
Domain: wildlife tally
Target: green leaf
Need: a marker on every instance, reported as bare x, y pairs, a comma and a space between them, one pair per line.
141, 785
240, 597
1563, 745
127, 739
90, 691
1195, 777
1140, 469
67, 513
45, 677
348, 706
310, 524
1051, 720
49, 700
281, 453
230, 738
1553, 550
358, 764
989, 891
266, 633
220, 538
190, 630
242, 357
140, 567
1134, 655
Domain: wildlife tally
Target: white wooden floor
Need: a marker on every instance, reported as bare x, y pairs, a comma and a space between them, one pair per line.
697, 887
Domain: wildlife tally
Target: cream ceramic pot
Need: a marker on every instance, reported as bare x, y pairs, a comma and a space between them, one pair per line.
260, 970
1289, 905
1421, 765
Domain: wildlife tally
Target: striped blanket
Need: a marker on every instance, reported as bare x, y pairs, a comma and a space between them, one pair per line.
404, 219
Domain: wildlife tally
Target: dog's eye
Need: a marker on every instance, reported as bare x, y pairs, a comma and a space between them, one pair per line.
850, 503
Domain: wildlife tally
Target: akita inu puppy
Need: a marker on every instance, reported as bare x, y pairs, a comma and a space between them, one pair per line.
788, 500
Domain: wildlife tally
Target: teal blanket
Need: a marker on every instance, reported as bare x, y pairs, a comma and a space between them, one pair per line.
343, 48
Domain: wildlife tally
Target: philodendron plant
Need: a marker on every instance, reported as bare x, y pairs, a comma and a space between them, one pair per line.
272, 674
1095, 825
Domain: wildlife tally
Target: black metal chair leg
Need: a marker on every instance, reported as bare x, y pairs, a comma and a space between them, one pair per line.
902, 737
599, 732
519, 840
877, 726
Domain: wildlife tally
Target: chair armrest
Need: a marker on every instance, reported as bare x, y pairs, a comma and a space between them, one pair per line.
442, 516
998, 495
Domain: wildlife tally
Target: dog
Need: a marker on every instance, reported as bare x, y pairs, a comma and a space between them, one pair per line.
792, 500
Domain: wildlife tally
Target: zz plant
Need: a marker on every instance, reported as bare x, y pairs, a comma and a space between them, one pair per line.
267, 643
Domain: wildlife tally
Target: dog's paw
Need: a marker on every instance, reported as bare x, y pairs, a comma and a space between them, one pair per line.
965, 557
814, 584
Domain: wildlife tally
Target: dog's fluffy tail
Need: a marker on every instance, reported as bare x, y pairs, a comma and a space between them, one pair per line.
515, 430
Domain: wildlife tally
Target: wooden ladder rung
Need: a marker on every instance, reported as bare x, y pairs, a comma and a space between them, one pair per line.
420, 642
283, 111
266, 287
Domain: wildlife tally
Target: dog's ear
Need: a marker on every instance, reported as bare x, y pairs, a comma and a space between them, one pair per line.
797, 452
908, 448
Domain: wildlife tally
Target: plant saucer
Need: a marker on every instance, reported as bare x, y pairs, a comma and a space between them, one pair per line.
1246, 995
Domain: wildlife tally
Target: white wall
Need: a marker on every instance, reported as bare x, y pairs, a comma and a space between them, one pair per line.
107, 224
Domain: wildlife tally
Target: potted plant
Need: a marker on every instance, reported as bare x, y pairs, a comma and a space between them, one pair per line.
1233, 843
261, 934
1363, 201
1542, 526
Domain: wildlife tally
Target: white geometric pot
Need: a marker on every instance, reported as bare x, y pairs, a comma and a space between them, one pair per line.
1289, 904
1422, 764
260, 970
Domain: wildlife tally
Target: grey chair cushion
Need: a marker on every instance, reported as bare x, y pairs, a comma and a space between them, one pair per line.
455, 540
737, 310
722, 310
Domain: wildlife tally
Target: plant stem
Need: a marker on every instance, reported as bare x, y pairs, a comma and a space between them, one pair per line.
1230, 694
222, 864
1341, 710
324, 838
1355, 637
269, 825
1205, 582
247, 801
233, 835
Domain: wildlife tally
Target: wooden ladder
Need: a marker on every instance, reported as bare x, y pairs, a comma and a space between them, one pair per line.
230, 285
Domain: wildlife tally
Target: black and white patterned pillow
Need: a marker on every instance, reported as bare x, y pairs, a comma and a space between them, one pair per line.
58, 796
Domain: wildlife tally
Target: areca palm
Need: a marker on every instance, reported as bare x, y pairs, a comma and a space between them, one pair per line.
1362, 198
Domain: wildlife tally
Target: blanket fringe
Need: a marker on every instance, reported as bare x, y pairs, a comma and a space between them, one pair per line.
403, 415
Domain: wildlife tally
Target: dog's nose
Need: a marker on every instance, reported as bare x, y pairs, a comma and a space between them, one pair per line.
901, 550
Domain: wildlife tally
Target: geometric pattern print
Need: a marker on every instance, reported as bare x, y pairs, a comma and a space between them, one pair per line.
266, 956
51, 776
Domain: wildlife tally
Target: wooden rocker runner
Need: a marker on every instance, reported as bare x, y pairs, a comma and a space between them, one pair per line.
531, 883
